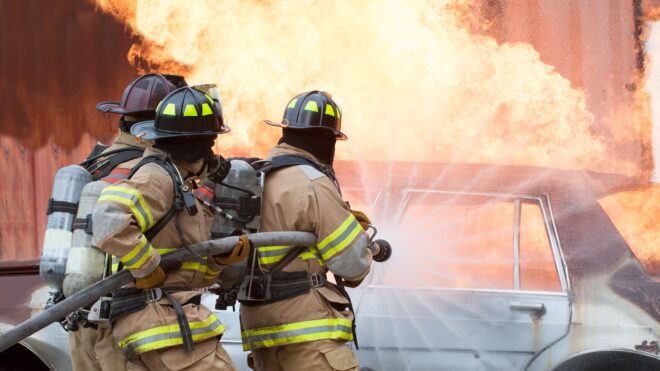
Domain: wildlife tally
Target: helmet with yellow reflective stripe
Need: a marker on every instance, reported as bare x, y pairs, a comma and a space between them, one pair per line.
312, 110
184, 112
142, 95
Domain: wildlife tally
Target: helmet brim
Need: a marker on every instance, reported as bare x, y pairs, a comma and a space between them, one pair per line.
146, 130
110, 106
338, 134
115, 107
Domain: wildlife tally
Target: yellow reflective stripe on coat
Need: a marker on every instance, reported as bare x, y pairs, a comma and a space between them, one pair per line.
272, 254
136, 257
133, 200
188, 265
340, 238
299, 332
312, 253
210, 275
114, 265
170, 335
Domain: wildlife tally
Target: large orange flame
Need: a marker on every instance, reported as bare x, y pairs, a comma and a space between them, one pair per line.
413, 83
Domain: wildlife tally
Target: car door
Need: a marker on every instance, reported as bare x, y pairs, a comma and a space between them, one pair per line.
476, 281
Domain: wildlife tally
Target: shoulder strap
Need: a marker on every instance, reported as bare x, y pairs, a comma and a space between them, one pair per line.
102, 164
160, 224
96, 150
279, 162
114, 160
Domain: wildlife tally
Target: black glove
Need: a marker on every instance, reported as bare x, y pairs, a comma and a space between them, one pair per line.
218, 168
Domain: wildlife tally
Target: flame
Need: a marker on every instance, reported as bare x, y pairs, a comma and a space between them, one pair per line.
635, 213
419, 86
417, 81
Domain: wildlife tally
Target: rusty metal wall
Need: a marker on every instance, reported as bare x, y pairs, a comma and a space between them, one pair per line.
58, 59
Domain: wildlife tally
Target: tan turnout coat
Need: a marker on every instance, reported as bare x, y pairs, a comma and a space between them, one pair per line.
300, 198
124, 212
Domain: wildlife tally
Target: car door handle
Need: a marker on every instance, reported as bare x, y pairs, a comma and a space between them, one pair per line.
539, 308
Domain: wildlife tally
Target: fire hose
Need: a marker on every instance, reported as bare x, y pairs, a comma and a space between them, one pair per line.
117, 280
93, 292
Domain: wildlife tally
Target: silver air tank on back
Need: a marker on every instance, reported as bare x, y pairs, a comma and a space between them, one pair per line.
86, 264
62, 207
238, 197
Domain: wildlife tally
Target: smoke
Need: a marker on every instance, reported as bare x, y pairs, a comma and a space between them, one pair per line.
413, 82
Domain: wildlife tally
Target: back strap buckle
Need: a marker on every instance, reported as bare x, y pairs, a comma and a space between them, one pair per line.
317, 280
153, 295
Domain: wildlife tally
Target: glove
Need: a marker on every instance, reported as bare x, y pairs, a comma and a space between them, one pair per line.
352, 284
239, 253
153, 279
362, 218
218, 168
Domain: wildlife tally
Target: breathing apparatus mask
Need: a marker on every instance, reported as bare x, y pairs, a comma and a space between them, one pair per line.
187, 149
193, 149
318, 142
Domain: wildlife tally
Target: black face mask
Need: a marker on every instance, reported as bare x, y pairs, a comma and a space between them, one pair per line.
318, 142
187, 149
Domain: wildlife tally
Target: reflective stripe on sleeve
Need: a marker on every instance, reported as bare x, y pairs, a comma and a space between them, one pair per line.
133, 200
136, 257
340, 238
188, 265
170, 335
299, 332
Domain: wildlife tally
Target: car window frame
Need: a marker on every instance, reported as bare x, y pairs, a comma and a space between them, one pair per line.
543, 202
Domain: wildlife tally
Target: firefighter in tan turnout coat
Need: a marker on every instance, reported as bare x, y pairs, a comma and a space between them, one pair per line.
159, 322
95, 348
302, 322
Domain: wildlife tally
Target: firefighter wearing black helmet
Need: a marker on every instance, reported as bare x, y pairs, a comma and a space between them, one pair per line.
93, 347
300, 321
159, 322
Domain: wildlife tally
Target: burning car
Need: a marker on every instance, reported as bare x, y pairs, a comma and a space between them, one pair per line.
494, 267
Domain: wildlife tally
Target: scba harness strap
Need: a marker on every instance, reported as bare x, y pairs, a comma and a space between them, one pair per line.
100, 163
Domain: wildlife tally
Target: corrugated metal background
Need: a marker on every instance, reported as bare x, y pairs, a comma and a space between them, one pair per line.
58, 61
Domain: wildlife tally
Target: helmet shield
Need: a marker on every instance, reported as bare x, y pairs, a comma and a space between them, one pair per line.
312, 110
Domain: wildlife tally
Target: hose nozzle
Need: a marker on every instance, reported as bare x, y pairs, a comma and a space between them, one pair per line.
381, 249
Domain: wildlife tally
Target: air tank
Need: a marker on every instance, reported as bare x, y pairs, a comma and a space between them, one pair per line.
67, 186
245, 188
86, 264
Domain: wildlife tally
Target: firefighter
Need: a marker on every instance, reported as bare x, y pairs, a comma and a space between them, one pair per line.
159, 322
292, 318
95, 349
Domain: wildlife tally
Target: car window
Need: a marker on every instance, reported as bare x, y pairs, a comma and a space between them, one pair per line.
456, 240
